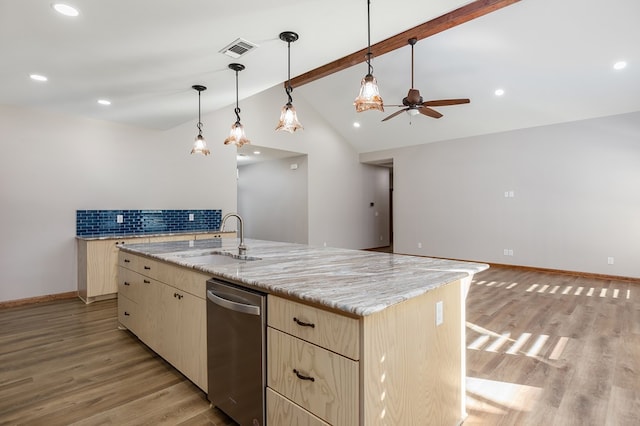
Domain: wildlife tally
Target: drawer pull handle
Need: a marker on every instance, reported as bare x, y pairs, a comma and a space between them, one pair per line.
304, 324
146, 281
126, 283
127, 261
178, 295
303, 377
147, 267
126, 314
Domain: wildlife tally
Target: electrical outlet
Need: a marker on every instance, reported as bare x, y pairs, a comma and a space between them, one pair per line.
439, 313
510, 252
419, 245
505, 252
191, 217
610, 260
119, 218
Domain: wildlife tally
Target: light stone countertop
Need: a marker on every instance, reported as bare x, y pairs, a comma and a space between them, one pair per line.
353, 281
155, 234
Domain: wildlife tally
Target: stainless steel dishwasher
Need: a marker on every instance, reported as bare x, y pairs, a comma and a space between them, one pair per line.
236, 348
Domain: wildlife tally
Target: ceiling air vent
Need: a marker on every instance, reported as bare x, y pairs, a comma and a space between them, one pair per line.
238, 48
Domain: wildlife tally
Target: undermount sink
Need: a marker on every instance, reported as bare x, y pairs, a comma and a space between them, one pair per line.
215, 257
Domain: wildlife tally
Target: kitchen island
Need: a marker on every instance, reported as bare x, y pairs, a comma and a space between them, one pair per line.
391, 350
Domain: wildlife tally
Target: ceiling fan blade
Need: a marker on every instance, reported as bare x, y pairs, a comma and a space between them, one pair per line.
387, 105
446, 102
429, 112
400, 111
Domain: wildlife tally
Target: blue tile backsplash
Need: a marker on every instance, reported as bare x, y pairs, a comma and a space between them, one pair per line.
104, 223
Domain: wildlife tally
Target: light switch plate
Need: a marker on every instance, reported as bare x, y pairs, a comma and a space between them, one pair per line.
119, 218
439, 313
191, 217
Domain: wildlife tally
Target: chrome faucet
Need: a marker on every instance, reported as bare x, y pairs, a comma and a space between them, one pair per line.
242, 249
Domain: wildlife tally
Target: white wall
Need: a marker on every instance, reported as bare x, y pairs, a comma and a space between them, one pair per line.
273, 201
53, 165
56, 164
338, 206
576, 197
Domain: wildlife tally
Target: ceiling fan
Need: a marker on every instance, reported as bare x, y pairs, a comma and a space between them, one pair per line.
415, 104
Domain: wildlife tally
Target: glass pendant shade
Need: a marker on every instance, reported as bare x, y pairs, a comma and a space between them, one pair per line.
369, 96
289, 119
237, 136
200, 146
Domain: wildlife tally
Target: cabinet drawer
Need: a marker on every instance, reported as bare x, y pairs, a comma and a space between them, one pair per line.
320, 381
281, 411
327, 329
128, 260
129, 284
184, 279
128, 313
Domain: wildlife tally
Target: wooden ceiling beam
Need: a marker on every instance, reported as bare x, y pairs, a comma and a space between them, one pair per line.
449, 20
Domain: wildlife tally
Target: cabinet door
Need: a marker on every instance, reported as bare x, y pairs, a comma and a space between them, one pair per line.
98, 266
181, 317
322, 382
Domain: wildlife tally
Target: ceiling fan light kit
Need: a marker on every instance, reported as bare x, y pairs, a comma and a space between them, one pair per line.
200, 145
369, 95
237, 135
288, 116
414, 102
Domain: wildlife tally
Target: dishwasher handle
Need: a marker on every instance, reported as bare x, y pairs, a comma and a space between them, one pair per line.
234, 306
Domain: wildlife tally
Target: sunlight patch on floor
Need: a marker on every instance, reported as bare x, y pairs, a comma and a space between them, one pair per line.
496, 397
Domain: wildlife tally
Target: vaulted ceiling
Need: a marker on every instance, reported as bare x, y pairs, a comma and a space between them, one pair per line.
554, 60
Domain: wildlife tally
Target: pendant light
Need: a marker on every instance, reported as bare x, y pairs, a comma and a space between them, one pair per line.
369, 96
237, 136
200, 145
288, 117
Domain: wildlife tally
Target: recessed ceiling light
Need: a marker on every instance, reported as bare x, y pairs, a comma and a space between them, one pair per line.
620, 65
499, 92
65, 9
104, 102
356, 124
256, 152
38, 77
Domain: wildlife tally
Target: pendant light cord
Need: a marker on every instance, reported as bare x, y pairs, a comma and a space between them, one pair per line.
369, 37
199, 125
237, 110
289, 89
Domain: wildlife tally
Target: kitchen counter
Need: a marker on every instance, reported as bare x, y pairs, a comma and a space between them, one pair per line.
356, 282
147, 235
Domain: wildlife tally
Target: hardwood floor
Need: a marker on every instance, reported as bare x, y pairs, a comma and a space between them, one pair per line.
552, 349
542, 349
65, 362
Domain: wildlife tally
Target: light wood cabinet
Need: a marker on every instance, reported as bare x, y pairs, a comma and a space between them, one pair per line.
164, 305
98, 267
98, 261
394, 367
314, 378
